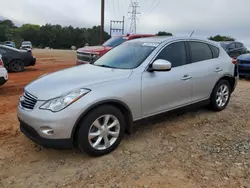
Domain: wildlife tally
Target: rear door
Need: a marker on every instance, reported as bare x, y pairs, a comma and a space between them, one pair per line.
204, 67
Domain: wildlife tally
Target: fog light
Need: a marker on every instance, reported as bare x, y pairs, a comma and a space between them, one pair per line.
46, 130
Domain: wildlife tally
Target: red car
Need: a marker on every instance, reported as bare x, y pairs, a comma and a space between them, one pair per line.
89, 54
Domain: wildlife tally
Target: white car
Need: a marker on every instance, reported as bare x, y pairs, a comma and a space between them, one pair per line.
3, 72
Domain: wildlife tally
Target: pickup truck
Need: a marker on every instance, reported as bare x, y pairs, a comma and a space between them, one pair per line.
90, 54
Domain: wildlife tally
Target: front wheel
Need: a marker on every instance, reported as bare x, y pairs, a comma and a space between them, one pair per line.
220, 96
101, 130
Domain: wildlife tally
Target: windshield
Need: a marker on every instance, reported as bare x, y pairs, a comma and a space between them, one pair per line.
126, 56
223, 45
26, 43
115, 41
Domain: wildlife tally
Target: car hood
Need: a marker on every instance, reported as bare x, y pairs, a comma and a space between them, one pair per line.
244, 57
94, 49
58, 83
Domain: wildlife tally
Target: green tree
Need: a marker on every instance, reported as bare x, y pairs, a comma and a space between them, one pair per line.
221, 38
164, 33
54, 36
6, 30
29, 32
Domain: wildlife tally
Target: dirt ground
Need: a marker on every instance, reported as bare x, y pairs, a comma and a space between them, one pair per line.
199, 148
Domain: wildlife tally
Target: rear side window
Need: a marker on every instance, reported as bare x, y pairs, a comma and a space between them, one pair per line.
215, 50
174, 53
239, 45
199, 51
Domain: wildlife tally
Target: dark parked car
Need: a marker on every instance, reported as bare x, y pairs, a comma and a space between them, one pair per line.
244, 65
15, 60
233, 48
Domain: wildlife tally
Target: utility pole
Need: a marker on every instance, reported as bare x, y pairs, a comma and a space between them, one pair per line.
134, 6
115, 28
102, 21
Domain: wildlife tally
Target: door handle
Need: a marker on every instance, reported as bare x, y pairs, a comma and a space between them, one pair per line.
186, 77
218, 69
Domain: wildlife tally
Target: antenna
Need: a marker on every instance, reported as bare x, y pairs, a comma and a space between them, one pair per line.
192, 34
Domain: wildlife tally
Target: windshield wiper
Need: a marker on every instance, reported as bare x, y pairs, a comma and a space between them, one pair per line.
106, 66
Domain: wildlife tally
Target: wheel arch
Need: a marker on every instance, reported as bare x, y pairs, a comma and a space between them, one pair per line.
230, 79
116, 103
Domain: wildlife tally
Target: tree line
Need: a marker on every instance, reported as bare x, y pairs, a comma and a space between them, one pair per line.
59, 37
54, 36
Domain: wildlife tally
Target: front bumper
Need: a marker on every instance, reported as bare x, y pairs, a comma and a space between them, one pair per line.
61, 122
2, 81
32, 134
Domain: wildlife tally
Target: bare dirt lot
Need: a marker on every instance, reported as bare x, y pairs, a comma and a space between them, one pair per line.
193, 149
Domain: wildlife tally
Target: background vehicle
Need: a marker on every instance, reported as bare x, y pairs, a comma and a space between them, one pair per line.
3, 72
91, 106
234, 49
26, 45
89, 54
15, 60
244, 64
10, 44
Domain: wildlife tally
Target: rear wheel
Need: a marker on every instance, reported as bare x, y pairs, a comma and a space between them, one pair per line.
101, 131
220, 96
16, 66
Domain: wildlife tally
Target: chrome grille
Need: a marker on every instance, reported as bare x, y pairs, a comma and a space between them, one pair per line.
87, 57
28, 101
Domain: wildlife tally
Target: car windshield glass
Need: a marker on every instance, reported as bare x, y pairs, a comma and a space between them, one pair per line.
126, 56
114, 41
26, 43
223, 45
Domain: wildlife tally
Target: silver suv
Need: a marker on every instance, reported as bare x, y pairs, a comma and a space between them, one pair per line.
91, 106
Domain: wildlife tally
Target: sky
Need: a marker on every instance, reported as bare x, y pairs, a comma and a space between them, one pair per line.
181, 17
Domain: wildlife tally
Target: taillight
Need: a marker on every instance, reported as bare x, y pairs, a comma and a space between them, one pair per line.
1, 63
234, 61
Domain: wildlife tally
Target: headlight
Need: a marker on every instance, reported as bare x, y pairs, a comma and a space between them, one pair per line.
58, 104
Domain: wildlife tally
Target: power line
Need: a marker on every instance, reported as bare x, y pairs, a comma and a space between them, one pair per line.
153, 5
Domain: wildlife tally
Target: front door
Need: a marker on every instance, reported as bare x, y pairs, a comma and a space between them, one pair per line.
163, 91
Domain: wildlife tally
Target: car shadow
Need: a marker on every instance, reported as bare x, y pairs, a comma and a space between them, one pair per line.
150, 122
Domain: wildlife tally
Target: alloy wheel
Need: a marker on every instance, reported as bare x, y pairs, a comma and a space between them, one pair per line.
222, 95
104, 132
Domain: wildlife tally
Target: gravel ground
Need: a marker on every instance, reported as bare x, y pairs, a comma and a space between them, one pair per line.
198, 148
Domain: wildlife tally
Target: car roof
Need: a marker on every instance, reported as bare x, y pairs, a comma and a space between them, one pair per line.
160, 39
8, 47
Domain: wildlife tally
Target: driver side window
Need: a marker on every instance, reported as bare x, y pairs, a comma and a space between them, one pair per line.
175, 53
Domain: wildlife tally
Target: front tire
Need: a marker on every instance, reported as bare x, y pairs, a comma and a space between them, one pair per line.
101, 130
220, 96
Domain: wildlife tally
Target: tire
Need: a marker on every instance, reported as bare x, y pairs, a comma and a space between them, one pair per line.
223, 101
16, 66
86, 127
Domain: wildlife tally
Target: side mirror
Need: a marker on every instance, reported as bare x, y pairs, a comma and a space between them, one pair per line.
161, 65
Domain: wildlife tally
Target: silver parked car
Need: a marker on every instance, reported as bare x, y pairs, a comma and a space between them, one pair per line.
91, 106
